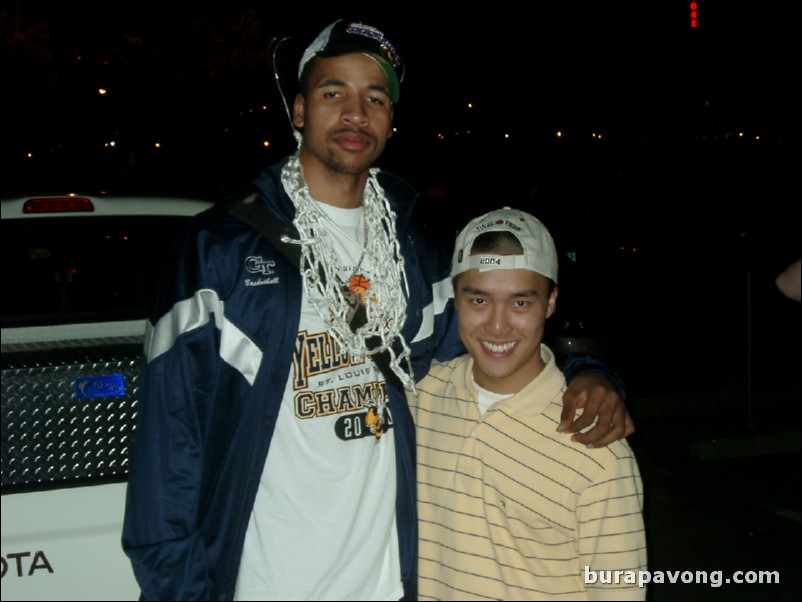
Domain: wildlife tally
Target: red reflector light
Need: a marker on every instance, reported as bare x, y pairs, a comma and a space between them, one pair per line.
67, 204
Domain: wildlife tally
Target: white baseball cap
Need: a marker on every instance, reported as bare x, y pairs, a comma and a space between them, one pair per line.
540, 253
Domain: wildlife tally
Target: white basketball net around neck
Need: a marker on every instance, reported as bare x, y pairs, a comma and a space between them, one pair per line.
386, 304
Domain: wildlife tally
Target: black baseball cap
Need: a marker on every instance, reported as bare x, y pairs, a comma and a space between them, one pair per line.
346, 37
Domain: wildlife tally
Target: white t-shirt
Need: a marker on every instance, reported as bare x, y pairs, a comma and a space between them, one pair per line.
485, 399
323, 525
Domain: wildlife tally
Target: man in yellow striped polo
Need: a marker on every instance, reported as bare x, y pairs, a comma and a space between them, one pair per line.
508, 507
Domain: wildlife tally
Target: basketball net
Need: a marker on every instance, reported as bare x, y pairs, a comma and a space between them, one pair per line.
385, 303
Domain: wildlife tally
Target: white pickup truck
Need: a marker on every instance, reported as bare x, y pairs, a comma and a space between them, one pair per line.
78, 271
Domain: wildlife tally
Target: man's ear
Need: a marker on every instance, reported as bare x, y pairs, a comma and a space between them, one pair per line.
298, 107
552, 303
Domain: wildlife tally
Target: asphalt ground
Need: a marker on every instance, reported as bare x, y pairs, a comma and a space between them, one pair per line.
720, 472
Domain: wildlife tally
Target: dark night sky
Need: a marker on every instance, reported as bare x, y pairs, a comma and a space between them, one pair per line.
634, 71
553, 52
186, 72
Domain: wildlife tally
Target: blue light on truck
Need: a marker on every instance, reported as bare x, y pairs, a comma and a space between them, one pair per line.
108, 385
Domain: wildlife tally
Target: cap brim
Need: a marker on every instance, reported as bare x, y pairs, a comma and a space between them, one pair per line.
393, 84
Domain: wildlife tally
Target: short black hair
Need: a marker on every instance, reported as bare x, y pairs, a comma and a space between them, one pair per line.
500, 243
